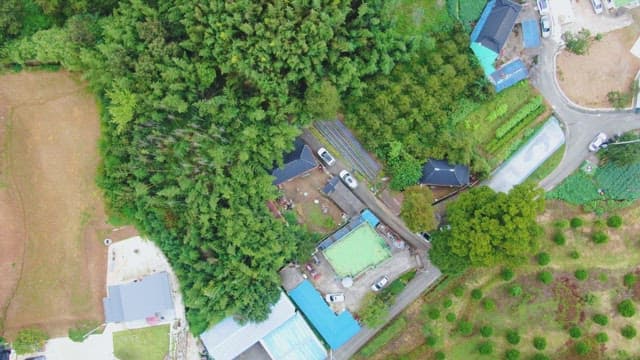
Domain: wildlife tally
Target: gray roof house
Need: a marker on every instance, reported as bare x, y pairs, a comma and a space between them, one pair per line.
140, 300
499, 24
295, 163
442, 173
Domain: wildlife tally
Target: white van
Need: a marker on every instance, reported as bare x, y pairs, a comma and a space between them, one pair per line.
597, 6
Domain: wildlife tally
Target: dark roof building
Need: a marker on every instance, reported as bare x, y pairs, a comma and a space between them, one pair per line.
295, 163
5, 352
146, 299
498, 24
442, 173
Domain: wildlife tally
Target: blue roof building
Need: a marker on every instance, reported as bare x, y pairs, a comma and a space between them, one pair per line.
140, 300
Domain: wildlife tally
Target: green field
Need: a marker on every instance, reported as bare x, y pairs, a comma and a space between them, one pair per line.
417, 18
541, 310
357, 251
150, 343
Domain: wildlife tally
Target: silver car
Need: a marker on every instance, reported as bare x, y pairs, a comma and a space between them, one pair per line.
545, 25
326, 157
380, 283
348, 179
597, 142
334, 298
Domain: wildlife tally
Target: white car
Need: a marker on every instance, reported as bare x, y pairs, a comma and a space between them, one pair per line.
378, 285
348, 179
597, 142
326, 157
545, 25
597, 6
334, 297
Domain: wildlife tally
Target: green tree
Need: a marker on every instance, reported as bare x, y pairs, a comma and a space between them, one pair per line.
416, 210
582, 348
543, 258
581, 274
559, 238
476, 294
627, 308
465, 328
575, 332
539, 342
513, 337
628, 331
515, 290
602, 337
486, 331
624, 154
374, 311
322, 100
577, 43
614, 221
545, 277
29, 340
506, 274
485, 348
629, 280
600, 319
576, 222
512, 354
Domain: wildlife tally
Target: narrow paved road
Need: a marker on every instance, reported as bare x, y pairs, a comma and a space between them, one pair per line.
581, 125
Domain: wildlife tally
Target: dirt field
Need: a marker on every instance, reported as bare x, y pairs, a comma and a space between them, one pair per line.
52, 221
609, 66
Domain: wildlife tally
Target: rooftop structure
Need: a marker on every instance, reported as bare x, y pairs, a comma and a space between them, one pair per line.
443, 173
295, 163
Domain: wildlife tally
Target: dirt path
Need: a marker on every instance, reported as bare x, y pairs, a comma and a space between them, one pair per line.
609, 66
53, 219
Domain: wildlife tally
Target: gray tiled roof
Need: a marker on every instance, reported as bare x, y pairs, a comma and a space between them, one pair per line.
139, 300
295, 163
499, 24
442, 173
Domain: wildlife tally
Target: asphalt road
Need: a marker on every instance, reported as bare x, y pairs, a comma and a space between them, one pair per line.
581, 125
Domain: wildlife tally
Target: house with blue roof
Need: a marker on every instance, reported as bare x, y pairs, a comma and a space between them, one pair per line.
489, 37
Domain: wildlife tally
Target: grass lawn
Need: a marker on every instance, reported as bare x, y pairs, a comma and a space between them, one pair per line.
541, 310
548, 166
419, 17
150, 343
313, 216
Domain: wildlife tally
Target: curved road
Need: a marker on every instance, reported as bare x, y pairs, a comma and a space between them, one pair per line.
581, 125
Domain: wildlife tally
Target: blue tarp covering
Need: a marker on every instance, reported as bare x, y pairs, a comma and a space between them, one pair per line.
294, 340
483, 19
334, 329
369, 217
530, 34
509, 74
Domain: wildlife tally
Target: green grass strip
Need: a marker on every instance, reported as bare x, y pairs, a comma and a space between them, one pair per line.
386, 335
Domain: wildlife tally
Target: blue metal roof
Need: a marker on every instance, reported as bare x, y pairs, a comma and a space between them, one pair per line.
294, 340
509, 74
295, 163
531, 33
139, 300
369, 217
334, 329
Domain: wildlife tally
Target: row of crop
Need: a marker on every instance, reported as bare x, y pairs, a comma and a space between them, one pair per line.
497, 144
498, 112
522, 113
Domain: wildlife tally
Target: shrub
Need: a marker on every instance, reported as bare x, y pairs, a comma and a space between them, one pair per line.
506, 274
451, 317
513, 337
575, 332
465, 328
515, 290
512, 354
539, 342
431, 340
476, 294
581, 274
628, 331
577, 43
559, 238
614, 221
539, 356
602, 337
29, 340
440, 355
574, 255
447, 303
618, 99
544, 259
582, 348
627, 308
433, 313
485, 348
486, 331
600, 237
630, 280
561, 224
458, 291
545, 277
590, 299
576, 222
600, 319
489, 304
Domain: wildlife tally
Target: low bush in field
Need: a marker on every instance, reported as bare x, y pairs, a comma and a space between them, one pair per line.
465, 328
581, 274
513, 337
574, 254
600, 237
512, 354
602, 337
630, 280
386, 335
545, 277
486, 331
576, 222
451, 317
447, 303
485, 348
559, 238
582, 348
628, 331
627, 308
476, 294
506, 274
600, 319
575, 332
543, 259
539, 343
614, 221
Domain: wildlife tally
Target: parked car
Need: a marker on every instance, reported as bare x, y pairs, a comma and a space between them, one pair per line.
597, 6
326, 157
334, 297
597, 142
348, 179
543, 6
380, 283
545, 25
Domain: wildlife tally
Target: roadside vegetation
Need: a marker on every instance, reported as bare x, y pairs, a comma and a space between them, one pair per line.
585, 309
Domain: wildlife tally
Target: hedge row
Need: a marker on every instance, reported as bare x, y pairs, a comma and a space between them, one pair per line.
497, 144
519, 116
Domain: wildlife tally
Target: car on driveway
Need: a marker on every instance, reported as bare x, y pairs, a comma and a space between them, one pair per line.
348, 179
380, 283
597, 6
597, 142
326, 157
334, 297
545, 25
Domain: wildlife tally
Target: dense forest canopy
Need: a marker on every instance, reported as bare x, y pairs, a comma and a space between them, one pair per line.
200, 98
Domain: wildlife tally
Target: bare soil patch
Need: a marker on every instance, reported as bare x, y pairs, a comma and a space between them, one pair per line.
54, 219
609, 66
